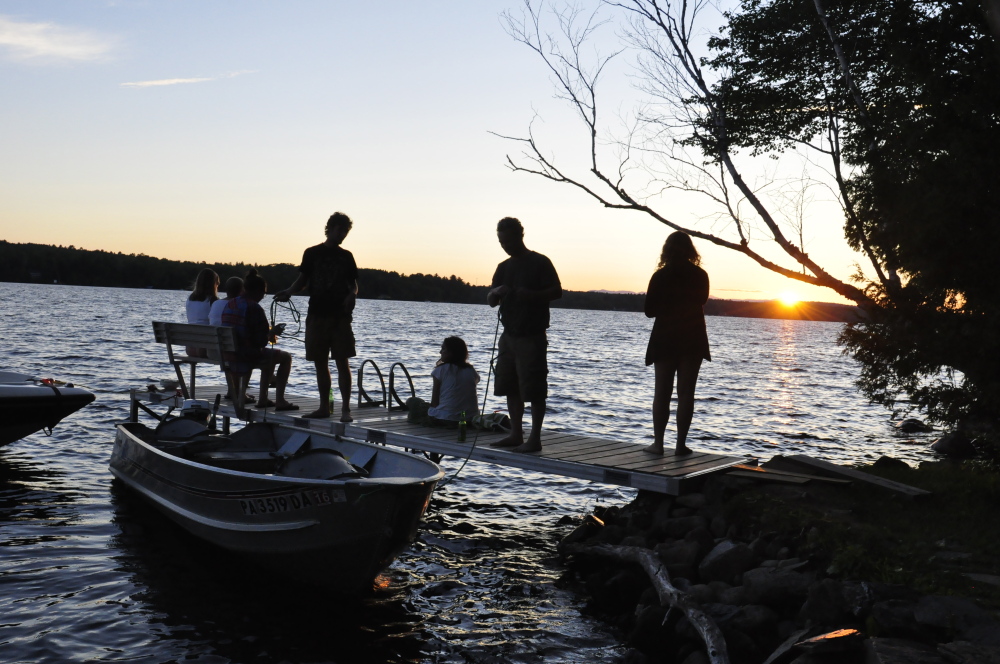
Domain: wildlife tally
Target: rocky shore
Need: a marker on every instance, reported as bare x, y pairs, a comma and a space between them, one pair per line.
815, 573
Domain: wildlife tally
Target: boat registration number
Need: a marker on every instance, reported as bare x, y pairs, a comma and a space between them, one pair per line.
292, 501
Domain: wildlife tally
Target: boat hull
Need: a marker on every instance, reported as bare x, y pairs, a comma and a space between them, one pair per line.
27, 408
336, 533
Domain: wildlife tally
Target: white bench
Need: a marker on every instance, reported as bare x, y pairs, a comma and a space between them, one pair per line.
215, 341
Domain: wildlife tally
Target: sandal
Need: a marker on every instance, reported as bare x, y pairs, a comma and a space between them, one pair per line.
266, 404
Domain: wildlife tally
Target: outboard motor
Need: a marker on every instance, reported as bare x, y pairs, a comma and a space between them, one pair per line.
196, 410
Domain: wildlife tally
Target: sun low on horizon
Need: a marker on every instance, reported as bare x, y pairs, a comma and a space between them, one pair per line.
789, 298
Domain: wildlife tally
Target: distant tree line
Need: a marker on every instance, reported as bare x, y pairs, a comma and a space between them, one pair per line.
40, 263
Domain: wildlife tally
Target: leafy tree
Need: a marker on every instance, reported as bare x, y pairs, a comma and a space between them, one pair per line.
896, 100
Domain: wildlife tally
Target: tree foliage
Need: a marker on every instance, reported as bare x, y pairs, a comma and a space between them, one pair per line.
908, 91
896, 100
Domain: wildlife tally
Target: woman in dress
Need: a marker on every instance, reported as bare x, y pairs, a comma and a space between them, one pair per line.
675, 299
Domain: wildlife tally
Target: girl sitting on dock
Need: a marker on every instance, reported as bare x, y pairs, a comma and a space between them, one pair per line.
454, 391
199, 303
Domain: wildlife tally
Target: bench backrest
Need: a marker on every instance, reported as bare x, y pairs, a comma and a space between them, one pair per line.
209, 337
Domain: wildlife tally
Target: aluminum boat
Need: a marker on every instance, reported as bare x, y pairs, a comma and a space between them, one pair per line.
313, 506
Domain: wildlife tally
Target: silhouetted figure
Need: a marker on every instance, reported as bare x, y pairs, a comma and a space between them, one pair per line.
676, 298
253, 333
332, 276
454, 391
234, 288
523, 286
199, 303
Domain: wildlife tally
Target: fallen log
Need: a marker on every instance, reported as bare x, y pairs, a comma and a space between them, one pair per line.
715, 644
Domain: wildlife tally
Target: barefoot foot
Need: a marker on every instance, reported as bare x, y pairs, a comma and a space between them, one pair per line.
345, 415
318, 414
509, 441
653, 448
529, 446
682, 450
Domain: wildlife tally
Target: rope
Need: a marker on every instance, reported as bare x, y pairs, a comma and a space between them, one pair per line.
486, 392
296, 320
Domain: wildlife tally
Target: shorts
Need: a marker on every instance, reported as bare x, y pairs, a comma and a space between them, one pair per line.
522, 367
329, 336
246, 365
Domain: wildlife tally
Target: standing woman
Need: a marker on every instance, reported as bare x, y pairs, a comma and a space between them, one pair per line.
199, 303
676, 298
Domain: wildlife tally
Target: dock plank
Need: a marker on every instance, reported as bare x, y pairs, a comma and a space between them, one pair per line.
564, 453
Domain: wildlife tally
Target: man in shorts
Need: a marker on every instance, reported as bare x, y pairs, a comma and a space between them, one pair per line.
332, 276
523, 286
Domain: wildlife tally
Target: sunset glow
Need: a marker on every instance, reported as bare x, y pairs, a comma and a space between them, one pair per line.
789, 299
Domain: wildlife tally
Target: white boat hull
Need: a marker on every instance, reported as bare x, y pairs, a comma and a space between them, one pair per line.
27, 406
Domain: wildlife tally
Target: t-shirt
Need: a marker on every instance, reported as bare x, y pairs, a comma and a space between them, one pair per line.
215, 313
332, 273
458, 392
197, 311
535, 272
251, 331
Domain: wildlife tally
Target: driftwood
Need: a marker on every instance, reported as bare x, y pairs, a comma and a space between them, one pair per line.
710, 633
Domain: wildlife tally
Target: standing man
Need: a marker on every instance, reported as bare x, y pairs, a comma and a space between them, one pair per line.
332, 276
523, 286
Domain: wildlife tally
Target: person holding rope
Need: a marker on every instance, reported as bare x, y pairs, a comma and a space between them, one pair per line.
523, 286
332, 276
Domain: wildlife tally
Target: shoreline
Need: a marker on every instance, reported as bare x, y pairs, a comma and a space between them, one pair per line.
897, 578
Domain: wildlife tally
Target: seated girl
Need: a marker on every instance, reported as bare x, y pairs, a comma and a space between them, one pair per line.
454, 390
199, 303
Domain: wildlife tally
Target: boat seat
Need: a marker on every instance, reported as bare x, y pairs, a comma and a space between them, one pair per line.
364, 458
294, 443
248, 461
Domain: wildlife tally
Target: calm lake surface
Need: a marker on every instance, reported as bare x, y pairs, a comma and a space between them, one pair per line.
89, 574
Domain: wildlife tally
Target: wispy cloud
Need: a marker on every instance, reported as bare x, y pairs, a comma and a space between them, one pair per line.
181, 81
21, 40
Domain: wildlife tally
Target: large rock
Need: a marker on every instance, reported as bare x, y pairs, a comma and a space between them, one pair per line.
826, 604
678, 527
701, 593
725, 561
589, 528
756, 619
900, 651
964, 652
776, 587
612, 534
951, 616
894, 618
736, 595
858, 598
704, 538
913, 425
693, 500
679, 553
954, 444
648, 628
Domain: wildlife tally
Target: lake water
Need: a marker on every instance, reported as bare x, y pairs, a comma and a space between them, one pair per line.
89, 574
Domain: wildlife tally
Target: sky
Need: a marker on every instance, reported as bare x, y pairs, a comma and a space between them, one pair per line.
229, 131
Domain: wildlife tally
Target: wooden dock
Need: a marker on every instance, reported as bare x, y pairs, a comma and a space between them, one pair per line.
564, 454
